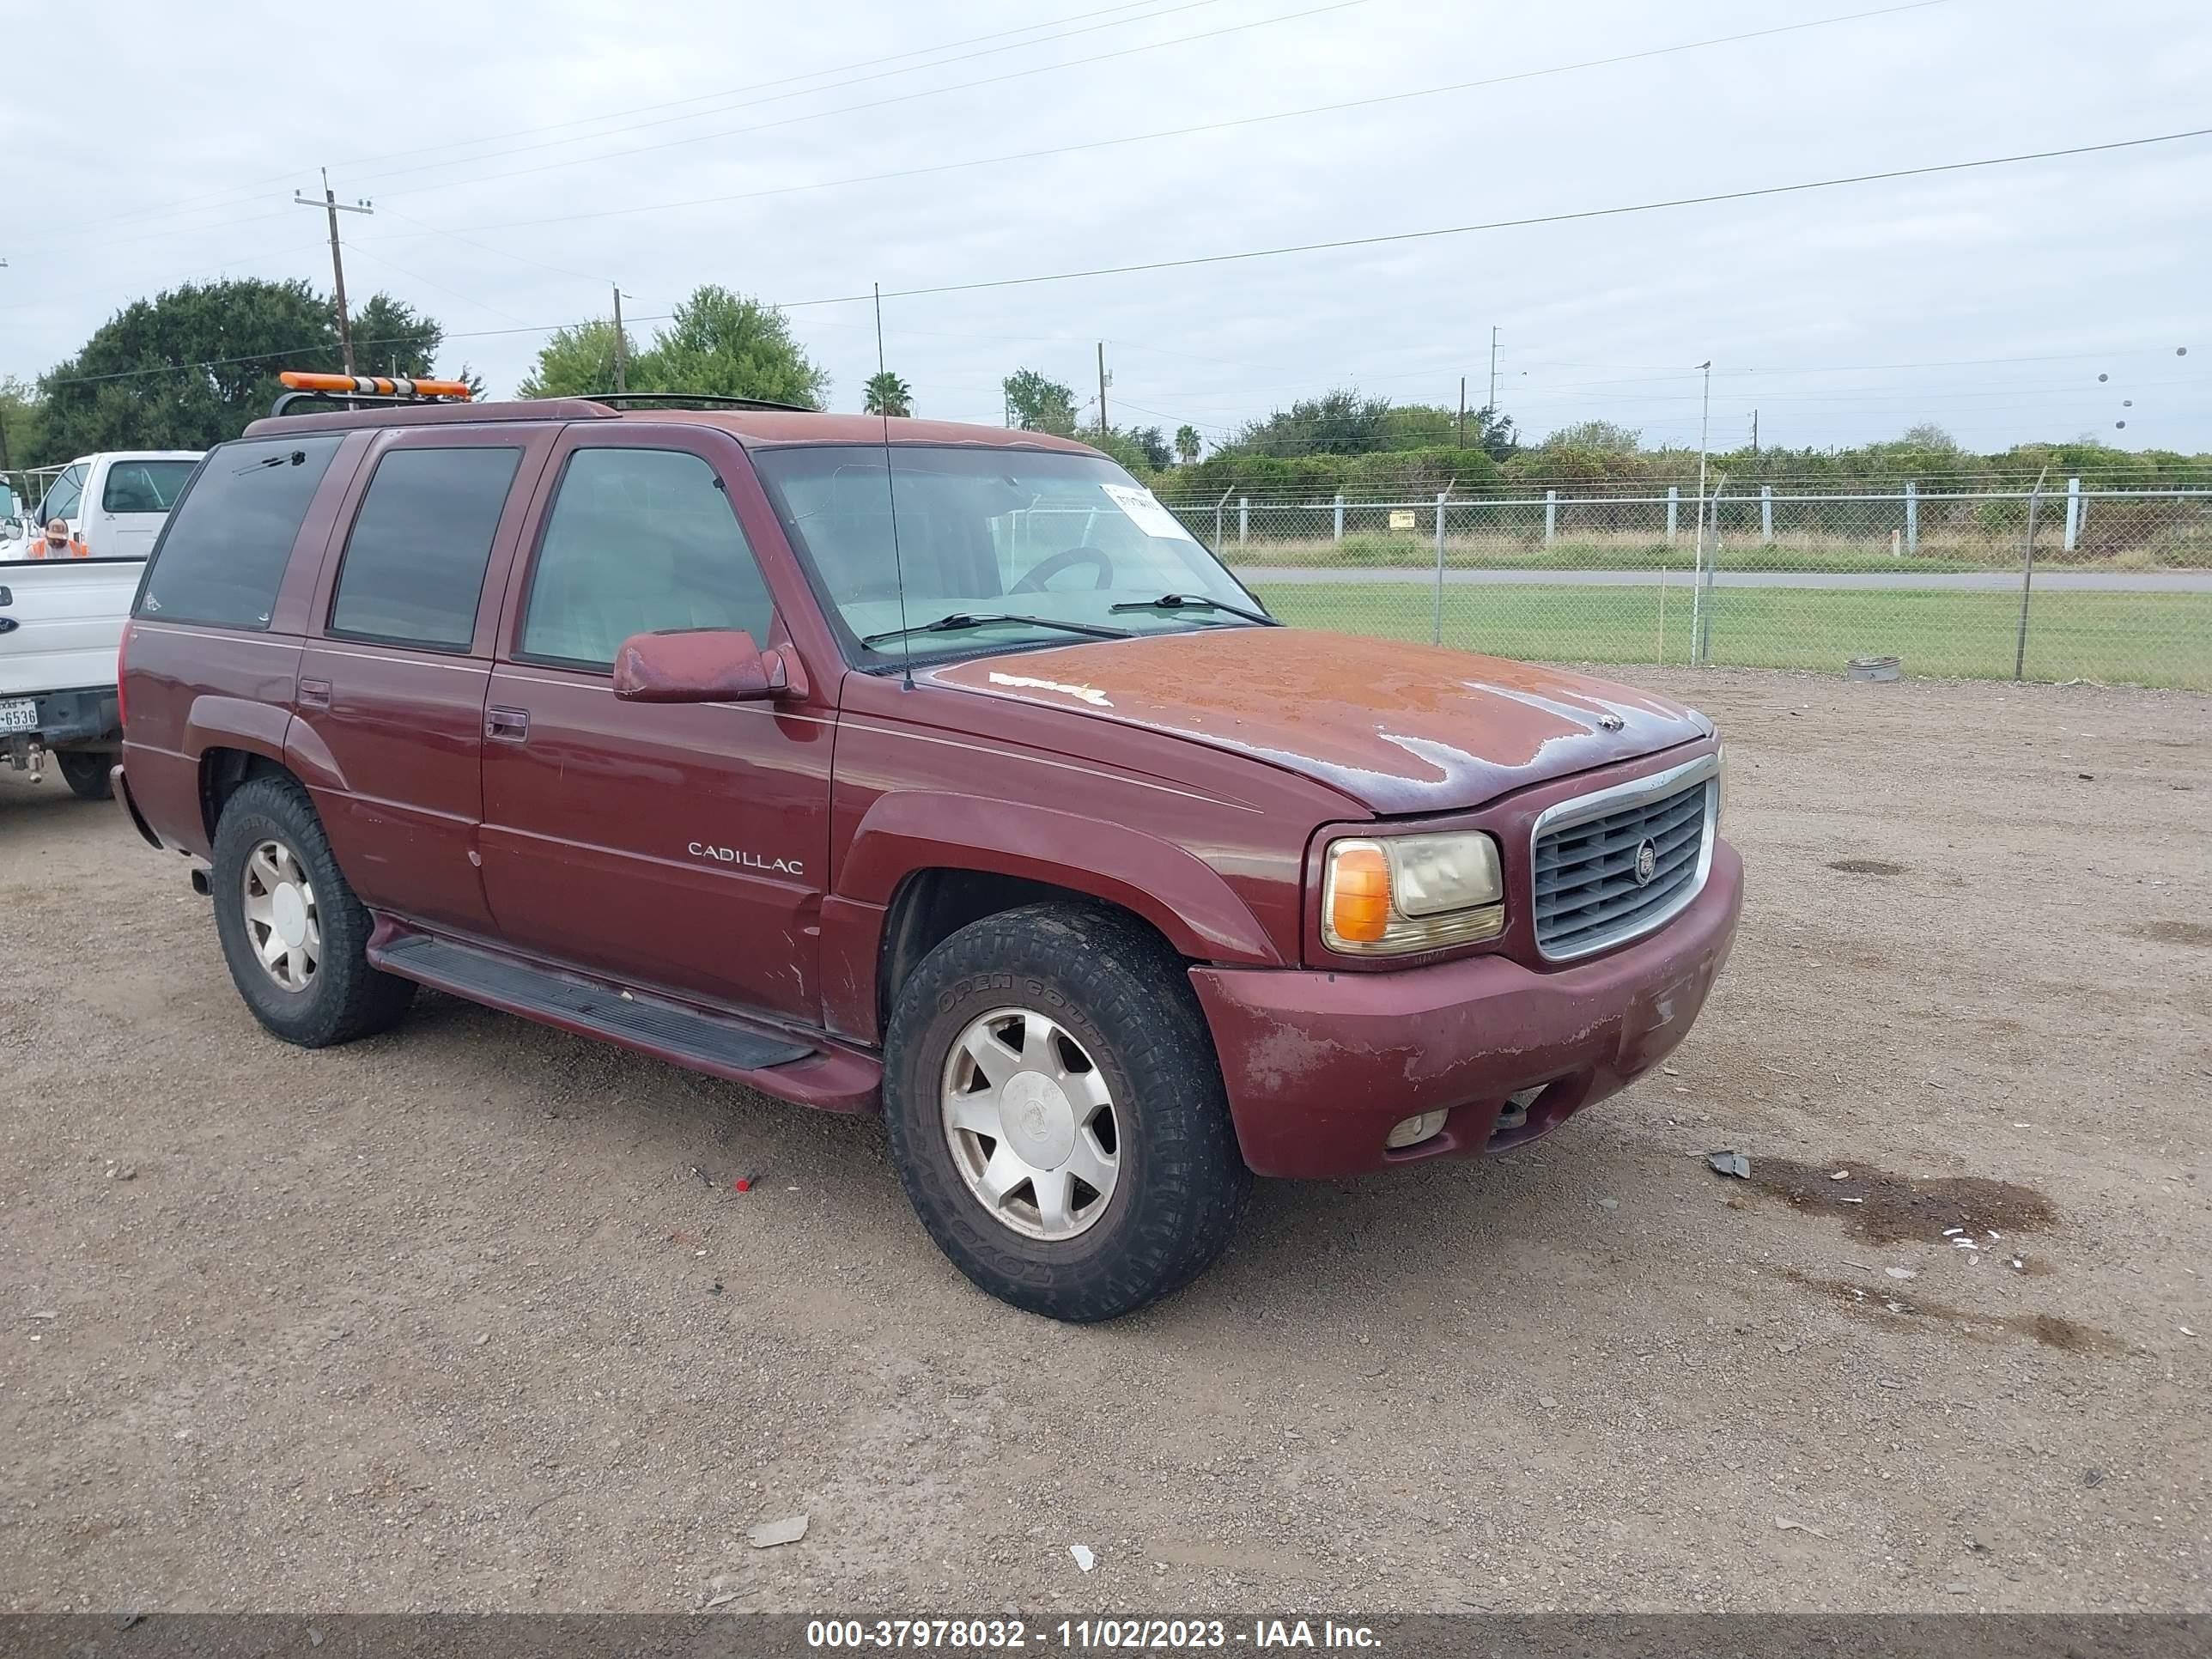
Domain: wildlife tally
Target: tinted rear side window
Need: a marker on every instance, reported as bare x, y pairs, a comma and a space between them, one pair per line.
414, 565
222, 557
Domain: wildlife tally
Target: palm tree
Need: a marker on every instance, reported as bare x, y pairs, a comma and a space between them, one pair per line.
1186, 444
889, 395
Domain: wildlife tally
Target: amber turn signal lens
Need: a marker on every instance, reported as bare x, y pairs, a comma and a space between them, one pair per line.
1358, 893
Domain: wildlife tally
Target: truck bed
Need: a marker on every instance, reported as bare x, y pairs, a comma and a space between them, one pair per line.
61, 620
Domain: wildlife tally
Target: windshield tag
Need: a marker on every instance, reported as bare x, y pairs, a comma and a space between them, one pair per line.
1145, 511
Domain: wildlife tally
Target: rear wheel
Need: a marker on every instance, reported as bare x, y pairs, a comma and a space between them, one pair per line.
86, 774
1057, 1115
294, 936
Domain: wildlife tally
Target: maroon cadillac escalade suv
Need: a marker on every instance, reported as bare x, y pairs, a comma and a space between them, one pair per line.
926, 769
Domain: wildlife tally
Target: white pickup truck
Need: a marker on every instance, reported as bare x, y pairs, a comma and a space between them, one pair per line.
61, 620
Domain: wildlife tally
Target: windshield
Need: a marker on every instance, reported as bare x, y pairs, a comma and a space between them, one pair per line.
989, 532
145, 486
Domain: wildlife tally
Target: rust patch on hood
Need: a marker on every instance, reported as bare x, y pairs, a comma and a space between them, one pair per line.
1400, 727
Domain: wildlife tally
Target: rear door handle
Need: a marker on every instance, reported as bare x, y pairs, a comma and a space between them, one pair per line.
506, 725
315, 693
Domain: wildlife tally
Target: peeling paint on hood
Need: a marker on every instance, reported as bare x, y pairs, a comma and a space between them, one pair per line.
1400, 727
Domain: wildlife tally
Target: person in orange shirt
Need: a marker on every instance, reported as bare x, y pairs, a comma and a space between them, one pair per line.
58, 543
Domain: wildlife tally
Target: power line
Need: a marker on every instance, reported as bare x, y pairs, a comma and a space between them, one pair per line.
1347, 242
904, 98
225, 198
810, 115
1504, 224
665, 120
1233, 123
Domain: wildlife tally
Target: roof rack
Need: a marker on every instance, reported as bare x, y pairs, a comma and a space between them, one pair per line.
690, 400
350, 391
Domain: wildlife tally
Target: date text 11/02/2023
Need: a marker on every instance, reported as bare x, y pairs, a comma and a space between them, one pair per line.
1085, 1634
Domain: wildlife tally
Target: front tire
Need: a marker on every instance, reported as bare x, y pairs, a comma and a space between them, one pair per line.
86, 774
1057, 1112
294, 936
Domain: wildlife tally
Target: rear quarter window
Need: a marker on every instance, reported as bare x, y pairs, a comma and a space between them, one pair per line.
223, 554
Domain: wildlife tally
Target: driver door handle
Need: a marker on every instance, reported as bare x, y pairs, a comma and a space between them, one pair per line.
506, 725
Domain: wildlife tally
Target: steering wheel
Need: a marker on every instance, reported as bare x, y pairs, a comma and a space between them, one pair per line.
1039, 574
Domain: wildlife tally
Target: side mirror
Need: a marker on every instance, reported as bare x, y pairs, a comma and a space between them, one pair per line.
701, 665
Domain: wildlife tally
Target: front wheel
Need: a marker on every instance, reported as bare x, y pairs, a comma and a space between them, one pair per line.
1057, 1112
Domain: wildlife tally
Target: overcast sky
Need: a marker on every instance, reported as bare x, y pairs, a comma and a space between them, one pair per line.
519, 155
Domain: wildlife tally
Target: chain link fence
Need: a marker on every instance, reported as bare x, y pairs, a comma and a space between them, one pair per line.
2046, 583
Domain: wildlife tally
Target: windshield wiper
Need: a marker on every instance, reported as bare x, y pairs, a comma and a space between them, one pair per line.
959, 620
1196, 602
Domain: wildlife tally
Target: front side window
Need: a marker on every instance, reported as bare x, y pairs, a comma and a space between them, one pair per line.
640, 541
414, 566
223, 554
1067, 537
66, 497
145, 486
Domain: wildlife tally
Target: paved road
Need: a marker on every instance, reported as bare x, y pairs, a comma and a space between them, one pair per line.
2159, 582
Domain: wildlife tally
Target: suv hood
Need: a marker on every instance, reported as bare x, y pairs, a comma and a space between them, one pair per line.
1402, 728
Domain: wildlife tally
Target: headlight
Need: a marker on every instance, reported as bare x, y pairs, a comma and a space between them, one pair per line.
1387, 897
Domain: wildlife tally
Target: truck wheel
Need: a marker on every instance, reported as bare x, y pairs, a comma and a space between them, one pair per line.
292, 931
86, 774
1057, 1112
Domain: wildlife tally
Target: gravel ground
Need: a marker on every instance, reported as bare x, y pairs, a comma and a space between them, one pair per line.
468, 1317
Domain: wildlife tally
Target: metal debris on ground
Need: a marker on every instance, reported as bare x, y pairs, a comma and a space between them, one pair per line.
1731, 1162
1841, 1175
766, 1534
1784, 1523
1083, 1557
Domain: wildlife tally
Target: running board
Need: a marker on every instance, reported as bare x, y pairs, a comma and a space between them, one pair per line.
704, 1042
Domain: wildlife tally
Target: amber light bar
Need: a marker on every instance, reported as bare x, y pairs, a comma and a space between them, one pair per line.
374, 386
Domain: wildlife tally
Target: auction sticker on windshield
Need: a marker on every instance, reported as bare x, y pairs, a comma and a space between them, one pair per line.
1145, 511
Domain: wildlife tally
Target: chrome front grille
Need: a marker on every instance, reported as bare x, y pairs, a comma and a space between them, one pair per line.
1589, 891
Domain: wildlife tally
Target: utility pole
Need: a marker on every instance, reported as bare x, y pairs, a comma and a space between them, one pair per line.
1754, 431
333, 207
1102, 428
1463, 411
878, 289
621, 346
1493, 368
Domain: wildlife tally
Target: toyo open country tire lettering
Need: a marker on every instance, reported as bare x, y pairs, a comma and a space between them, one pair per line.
292, 931
1116, 1179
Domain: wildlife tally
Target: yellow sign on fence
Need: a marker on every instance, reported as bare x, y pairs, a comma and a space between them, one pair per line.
1401, 518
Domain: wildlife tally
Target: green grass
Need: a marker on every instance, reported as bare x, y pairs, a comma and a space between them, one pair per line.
1371, 552
2141, 639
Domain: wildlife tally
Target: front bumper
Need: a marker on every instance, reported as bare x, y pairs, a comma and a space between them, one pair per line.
1318, 1066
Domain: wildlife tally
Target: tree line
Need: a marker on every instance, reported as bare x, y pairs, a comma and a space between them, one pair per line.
190, 367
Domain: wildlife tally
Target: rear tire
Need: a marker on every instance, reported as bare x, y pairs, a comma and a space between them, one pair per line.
87, 774
294, 936
1057, 1112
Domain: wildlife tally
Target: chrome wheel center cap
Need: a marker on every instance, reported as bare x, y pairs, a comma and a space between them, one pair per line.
1038, 1119
287, 909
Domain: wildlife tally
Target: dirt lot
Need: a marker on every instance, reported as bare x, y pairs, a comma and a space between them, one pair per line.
447, 1319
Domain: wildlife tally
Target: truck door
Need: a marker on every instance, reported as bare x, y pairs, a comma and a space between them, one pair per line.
398, 657
677, 845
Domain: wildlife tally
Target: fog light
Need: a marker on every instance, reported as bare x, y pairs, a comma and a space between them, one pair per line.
1412, 1131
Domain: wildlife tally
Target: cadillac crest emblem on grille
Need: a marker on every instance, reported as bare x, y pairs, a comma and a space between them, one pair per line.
1647, 864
